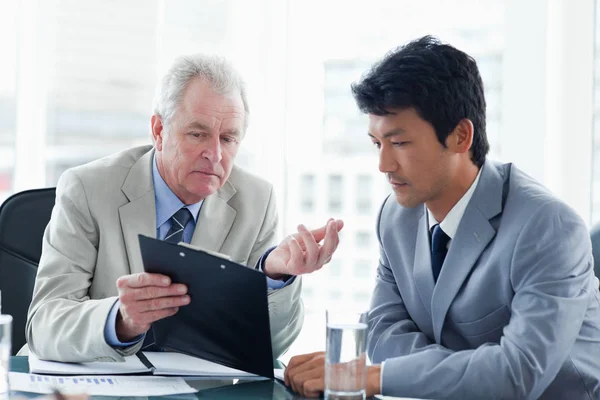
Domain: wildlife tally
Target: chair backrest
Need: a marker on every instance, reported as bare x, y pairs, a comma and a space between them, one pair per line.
595, 236
23, 219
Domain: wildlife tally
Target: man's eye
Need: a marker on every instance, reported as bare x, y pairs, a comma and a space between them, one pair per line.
228, 139
377, 144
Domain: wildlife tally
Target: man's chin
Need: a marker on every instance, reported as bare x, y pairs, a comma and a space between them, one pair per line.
205, 185
407, 201
204, 192
200, 191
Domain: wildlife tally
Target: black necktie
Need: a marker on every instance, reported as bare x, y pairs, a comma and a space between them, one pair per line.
178, 222
439, 249
175, 235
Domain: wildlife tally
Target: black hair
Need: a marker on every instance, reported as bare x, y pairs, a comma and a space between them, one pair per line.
440, 82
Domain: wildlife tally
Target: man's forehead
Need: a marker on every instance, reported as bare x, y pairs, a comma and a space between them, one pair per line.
205, 108
379, 122
210, 122
214, 111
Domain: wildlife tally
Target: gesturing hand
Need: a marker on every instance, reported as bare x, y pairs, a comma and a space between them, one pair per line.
302, 252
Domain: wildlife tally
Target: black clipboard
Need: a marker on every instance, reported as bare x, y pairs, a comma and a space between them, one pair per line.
227, 320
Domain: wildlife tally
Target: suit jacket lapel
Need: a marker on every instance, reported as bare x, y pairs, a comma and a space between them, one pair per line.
139, 215
215, 219
472, 237
422, 272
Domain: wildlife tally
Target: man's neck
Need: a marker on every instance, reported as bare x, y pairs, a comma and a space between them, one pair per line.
453, 192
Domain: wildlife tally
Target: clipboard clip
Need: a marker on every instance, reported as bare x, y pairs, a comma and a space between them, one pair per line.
197, 248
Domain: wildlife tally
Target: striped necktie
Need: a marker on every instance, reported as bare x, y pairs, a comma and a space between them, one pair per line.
178, 222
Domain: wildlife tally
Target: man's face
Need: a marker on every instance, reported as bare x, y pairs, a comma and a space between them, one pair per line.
416, 164
196, 149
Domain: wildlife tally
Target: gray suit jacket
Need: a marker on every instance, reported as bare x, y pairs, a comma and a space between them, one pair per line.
515, 313
92, 239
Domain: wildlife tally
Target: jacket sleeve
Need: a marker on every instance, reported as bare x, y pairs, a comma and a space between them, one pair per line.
63, 323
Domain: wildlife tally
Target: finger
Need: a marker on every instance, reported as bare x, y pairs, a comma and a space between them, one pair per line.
315, 363
302, 358
291, 364
161, 303
299, 372
296, 256
314, 387
144, 320
143, 279
297, 361
319, 233
299, 381
153, 316
330, 243
310, 245
152, 292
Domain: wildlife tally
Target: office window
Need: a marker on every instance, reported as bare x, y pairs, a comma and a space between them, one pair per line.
335, 295
336, 193
55, 167
307, 193
362, 299
307, 292
77, 78
363, 239
363, 268
364, 193
344, 128
334, 268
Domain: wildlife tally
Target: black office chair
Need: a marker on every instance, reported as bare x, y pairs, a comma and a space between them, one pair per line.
23, 219
595, 235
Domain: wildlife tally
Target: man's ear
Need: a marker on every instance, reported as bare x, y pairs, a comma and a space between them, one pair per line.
461, 138
157, 126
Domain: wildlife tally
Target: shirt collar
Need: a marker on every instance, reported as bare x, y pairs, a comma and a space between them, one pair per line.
167, 203
450, 224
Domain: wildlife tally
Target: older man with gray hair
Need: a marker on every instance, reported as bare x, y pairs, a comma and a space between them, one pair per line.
92, 298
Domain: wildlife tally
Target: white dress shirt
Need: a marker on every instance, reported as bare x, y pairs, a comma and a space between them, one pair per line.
450, 224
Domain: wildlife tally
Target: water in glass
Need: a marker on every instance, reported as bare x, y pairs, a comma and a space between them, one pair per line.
345, 361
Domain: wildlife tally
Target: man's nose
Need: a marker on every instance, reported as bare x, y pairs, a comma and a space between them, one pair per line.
212, 150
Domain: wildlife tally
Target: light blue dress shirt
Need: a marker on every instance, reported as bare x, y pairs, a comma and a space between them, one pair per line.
167, 204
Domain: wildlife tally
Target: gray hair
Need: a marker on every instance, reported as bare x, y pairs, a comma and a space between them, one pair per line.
217, 71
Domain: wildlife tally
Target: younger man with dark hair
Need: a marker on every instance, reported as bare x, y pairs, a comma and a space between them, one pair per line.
485, 285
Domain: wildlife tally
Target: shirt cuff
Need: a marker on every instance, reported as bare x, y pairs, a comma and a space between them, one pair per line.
110, 329
273, 283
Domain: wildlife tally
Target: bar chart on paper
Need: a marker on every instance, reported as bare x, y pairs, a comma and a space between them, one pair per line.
100, 385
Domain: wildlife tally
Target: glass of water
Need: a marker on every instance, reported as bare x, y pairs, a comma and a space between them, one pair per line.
5, 342
345, 357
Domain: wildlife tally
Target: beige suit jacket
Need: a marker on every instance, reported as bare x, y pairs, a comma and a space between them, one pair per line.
92, 239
